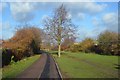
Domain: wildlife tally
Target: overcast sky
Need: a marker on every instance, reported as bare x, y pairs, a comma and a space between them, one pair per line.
92, 18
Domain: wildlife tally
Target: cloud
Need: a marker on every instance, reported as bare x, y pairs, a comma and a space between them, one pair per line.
110, 21
23, 11
86, 7
93, 7
109, 18
79, 10
88, 32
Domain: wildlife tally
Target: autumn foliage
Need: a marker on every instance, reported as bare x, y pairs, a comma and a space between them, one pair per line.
84, 46
106, 44
24, 43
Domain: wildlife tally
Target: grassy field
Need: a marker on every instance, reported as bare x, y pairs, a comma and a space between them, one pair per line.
14, 69
81, 65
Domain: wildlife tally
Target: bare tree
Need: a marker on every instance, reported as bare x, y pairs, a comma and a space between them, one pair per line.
59, 26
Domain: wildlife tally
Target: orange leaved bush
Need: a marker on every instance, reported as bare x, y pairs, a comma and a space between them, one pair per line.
25, 42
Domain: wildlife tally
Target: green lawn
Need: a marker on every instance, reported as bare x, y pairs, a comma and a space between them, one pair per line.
81, 65
14, 69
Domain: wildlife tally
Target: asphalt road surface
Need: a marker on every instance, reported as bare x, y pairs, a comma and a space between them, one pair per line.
43, 68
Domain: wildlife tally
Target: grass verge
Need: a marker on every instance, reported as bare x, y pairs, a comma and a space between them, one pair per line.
81, 65
14, 69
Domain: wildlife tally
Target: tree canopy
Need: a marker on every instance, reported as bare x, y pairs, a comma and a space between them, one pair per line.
59, 26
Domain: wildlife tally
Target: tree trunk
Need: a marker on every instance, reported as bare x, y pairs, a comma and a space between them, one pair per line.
59, 50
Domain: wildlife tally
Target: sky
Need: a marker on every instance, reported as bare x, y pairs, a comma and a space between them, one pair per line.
91, 18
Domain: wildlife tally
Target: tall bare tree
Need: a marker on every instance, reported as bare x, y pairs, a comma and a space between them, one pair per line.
59, 26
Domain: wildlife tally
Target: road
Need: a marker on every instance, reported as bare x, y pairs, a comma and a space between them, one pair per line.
44, 67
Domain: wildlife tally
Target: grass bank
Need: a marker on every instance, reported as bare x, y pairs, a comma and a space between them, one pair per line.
82, 65
16, 68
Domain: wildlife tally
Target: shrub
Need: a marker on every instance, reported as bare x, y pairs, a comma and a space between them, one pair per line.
25, 42
75, 48
97, 49
6, 56
17, 55
108, 42
84, 46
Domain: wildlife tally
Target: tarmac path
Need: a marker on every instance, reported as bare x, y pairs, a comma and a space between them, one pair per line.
44, 67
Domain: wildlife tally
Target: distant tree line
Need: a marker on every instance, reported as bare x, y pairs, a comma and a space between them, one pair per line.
107, 43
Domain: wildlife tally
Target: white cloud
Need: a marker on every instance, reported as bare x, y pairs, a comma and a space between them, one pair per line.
24, 11
110, 18
86, 7
110, 21
93, 7
80, 10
